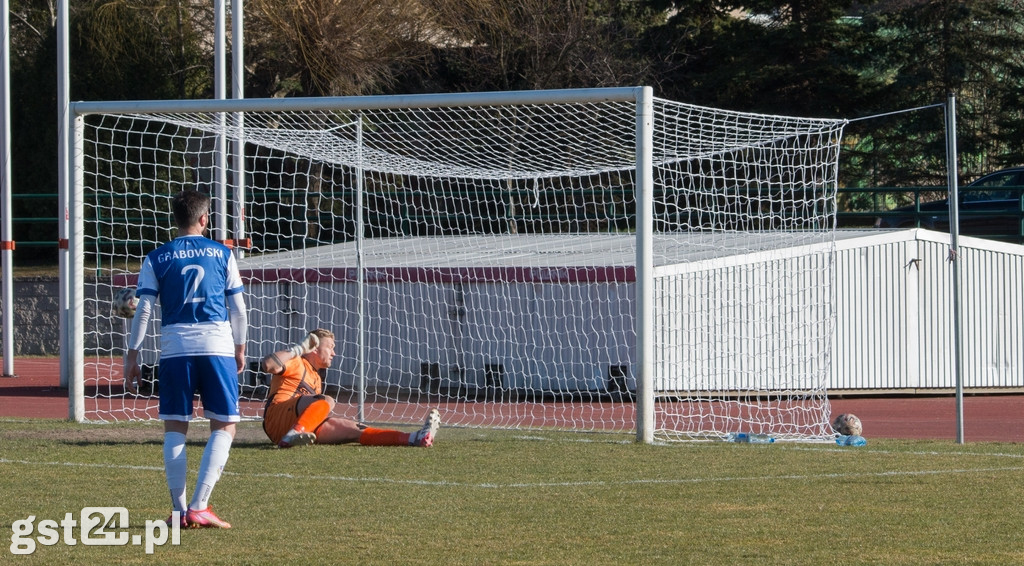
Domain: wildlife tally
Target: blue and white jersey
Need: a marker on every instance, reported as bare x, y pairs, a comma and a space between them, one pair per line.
190, 277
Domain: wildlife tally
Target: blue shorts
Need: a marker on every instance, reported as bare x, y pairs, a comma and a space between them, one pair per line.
213, 377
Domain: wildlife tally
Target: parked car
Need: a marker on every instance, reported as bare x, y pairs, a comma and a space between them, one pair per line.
990, 206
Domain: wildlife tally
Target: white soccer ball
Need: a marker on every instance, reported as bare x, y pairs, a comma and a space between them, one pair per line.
848, 424
124, 303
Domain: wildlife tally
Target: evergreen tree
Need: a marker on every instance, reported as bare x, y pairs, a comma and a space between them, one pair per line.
927, 50
797, 58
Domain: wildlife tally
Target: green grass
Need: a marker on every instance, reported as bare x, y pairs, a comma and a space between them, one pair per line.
508, 497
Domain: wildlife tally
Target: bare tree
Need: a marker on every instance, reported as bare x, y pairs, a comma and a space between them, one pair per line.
334, 47
531, 44
142, 48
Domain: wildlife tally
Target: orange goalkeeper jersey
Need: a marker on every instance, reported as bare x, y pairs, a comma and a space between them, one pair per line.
298, 378
281, 412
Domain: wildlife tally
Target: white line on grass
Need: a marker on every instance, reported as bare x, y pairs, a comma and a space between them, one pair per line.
82, 465
854, 450
520, 485
599, 483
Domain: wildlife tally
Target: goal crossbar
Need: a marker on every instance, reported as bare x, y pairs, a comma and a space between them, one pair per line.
382, 102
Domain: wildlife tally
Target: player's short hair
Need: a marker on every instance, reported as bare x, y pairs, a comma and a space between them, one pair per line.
189, 206
322, 333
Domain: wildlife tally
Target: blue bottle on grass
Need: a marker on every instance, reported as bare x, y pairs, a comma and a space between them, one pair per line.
751, 438
851, 440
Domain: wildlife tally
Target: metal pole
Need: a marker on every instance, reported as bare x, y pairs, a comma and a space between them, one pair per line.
6, 241
63, 183
645, 265
954, 260
361, 341
76, 267
220, 93
238, 92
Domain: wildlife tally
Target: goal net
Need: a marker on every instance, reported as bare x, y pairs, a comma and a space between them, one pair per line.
591, 260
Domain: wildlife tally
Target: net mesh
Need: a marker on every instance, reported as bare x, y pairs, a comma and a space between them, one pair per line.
482, 259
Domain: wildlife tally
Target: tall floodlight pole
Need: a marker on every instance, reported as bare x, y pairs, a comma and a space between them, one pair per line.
6, 241
63, 185
220, 92
238, 154
954, 260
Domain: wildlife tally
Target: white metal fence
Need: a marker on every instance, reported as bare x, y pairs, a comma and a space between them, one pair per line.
895, 320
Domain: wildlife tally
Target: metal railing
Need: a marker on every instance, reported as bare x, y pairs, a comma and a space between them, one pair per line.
49, 223
856, 208
990, 212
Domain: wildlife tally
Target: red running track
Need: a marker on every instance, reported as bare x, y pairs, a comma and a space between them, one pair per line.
34, 392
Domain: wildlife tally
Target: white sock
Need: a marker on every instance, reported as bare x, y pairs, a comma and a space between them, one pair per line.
214, 457
175, 468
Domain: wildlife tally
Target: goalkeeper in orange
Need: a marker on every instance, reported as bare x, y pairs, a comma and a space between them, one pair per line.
297, 413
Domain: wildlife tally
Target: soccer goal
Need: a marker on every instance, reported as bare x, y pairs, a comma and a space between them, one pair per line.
593, 260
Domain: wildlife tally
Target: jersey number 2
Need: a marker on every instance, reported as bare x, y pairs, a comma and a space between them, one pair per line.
190, 296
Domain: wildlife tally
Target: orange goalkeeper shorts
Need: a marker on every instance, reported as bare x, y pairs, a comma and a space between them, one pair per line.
279, 418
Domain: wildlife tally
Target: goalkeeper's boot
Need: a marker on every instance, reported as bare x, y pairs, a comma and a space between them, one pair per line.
425, 436
297, 436
205, 518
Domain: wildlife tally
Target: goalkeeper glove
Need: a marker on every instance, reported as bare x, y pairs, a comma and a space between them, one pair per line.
306, 346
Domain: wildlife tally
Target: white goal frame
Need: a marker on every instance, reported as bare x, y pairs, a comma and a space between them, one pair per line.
647, 339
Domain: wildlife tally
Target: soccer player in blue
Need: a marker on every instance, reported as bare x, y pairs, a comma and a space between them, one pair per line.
202, 348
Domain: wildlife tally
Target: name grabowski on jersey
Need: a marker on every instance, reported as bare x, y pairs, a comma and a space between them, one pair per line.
190, 253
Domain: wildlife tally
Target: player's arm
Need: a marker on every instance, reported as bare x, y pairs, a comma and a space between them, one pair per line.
237, 314
132, 371
274, 363
239, 326
146, 291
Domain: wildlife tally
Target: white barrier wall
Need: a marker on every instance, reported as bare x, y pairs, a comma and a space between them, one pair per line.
895, 324
893, 330
471, 330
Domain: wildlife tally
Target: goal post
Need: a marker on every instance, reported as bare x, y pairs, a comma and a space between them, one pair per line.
645, 268
589, 259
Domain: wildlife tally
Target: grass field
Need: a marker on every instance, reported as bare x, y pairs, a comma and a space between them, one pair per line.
512, 497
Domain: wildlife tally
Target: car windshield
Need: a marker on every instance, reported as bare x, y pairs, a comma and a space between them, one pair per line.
987, 188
